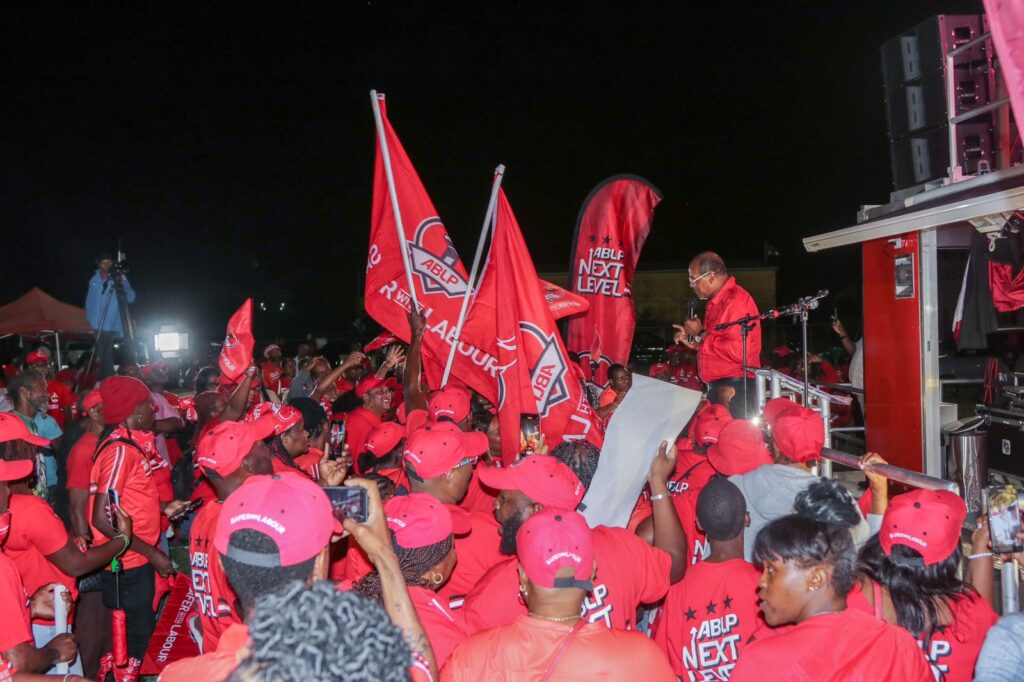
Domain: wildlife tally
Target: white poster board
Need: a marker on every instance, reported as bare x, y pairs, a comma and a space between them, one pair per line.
651, 412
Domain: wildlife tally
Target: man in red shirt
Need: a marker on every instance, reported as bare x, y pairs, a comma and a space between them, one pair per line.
79, 467
619, 383
376, 397
272, 371
720, 358
709, 615
122, 465
228, 454
551, 640
632, 572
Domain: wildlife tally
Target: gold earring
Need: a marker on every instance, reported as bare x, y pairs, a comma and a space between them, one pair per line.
436, 578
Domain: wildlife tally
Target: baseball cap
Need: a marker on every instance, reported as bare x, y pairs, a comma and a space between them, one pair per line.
799, 434
420, 520
740, 448
542, 478
269, 350
222, 448
120, 396
450, 402
368, 384
438, 447
659, 367
65, 375
17, 469
383, 438
289, 508
774, 408
91, 400
37, 357
553, 538
13, 428
281, 417
147, 369
782, 351
928, 521
708, 423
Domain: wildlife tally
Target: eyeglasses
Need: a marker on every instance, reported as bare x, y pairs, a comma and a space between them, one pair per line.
694, 280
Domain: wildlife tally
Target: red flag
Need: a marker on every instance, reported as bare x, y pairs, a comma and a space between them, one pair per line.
1006, 19
172, 640
236, 353
437, 272
534, 375
612, 228
380, 341
563, 303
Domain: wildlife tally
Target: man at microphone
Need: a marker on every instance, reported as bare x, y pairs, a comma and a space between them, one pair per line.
720, 352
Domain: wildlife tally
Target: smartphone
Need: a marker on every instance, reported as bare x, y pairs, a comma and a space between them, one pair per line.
186, 510
113, 500
336, 441
348, 503
1003, 503
529, 433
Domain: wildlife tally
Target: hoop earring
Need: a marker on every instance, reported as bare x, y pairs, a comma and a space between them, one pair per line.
436, 579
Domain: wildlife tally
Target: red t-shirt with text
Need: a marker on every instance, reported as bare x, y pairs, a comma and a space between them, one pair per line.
210, 586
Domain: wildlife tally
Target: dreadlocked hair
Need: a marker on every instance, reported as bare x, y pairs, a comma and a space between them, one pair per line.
413, 563
278, 450
580, 456
321, 633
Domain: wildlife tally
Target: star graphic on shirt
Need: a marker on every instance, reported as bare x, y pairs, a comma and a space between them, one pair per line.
711, 607
690, 614
607, 240
592, 238
727, 601
620, 244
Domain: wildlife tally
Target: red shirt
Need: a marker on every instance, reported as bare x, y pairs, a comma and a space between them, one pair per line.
310, 463
718, 357
525, 649
954, 649
127, 469
477, 552
215, 666
60, 397
478, 498
272, 376
849, 645
685, 375
36, 532
443, 629
629, 573
607, 397
213, 594
80, 461
15, 627
357, 427
708, 617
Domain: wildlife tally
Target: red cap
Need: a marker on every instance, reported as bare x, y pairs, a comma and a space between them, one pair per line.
419, 520
158, 364
17, 469
799, 434
658, 368
222, 448
121, 395
65, 375
13, 428
37, 357
368, 384
91, 400
450, 402
400, 414
289, 508
269, 350
708, 423
782, 351
542, 478
774, 408
439, 447
281, 417
740, 448
553, 538
928, 521
383, 438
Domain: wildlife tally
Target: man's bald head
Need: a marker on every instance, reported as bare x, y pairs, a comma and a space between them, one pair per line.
707, 274
709, 261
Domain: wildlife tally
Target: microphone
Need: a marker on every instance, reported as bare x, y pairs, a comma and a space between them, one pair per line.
691, 309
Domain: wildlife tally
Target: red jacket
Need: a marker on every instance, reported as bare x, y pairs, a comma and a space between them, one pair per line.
718, 357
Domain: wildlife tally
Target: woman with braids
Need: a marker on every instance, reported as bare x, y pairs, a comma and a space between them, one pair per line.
910, 579
289, 439
422, 529
808, 568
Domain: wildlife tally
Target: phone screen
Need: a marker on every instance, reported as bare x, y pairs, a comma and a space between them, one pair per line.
1004, 518
113, 500
348, 503
336, 441
529, 433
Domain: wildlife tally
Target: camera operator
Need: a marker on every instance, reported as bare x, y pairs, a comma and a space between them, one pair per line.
103, 309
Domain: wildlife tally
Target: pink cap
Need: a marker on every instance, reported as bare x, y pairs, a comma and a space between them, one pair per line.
740, 448
13, 428
799, 434
368, 384
926, 520
542, 478
281, 417
383, 438
147, 369
289, 508
439, 447
774, 408
16, 469
551, 539
708, 424
222, 448
420, 520
450, 402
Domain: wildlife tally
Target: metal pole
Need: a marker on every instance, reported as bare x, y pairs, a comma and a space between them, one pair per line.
803, 332
893, 473
776, 385
760, 391
56, 336
826, 417
386, 157
499, 173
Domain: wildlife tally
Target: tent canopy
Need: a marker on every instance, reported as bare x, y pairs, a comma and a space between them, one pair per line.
37, 312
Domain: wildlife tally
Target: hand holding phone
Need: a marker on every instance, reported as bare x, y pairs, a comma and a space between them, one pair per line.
113, 500
348, 502
1004, 518
529, 433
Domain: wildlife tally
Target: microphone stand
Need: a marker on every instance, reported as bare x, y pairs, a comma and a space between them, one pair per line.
746, 324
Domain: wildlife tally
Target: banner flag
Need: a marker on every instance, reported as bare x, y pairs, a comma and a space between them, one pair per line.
1006, 20
236, 353
610, 232
172, 640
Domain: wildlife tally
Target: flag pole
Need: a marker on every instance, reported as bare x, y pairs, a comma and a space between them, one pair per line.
499, 173
386, 157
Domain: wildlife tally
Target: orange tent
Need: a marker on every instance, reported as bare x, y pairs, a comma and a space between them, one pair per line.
38, 313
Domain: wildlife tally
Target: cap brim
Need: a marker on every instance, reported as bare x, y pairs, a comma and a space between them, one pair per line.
499, 479
34, 440
475, 443
16, 470
263, 427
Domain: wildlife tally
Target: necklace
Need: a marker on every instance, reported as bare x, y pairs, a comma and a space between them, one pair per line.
555, 619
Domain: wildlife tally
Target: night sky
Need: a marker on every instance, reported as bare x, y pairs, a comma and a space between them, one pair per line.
229, 146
